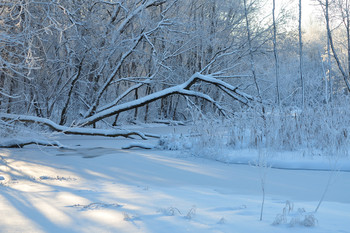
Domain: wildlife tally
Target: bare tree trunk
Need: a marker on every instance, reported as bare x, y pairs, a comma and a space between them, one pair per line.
252, 64
115, 120
136, 109
347, 25
329, 33
2, 79
301, 60
148, 91
66, 105
9, 103
275, 52
175, 108
111, 77
6, 96
330, 87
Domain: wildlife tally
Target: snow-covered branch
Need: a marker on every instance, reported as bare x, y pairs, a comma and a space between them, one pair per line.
182, 89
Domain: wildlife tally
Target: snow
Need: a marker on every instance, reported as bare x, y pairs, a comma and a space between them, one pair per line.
95, 186
287, 160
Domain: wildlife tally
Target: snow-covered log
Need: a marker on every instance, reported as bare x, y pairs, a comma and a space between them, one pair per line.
74, 130
138, 145
168, 122
19, 143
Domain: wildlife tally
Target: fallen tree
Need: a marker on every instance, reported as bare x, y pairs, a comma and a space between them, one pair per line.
19, 143
81, 127
181, 89
74, 130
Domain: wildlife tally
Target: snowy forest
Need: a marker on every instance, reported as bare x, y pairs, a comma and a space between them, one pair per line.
85, 63
191, 91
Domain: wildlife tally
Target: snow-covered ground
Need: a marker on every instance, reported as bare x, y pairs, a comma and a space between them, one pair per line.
99, 187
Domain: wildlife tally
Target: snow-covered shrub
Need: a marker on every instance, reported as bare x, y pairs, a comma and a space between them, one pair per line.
127, 217
222, 221
21, 130
209, 141
320, 130
19, 134
191, 213
171, 211
174, 142
293, 218
204, 140
324, 129
7, 130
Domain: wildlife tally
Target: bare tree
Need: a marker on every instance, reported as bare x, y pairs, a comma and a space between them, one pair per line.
17, 59
275, 52
252, 64
343, 6
301, 57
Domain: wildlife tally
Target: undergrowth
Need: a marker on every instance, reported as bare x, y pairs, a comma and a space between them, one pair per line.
314, 131
293, 218
324, 129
